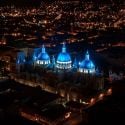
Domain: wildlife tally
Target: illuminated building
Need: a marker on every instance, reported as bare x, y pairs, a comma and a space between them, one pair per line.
75, 64
20, 61
87, 66
63, 60
35, 54
40, 57
20, 58
43, 58
73, 85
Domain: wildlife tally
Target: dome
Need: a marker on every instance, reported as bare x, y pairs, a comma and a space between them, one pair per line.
87, 65
64, 56
43, 55
63, 59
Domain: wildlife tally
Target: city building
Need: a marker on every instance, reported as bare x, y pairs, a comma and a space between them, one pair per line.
57, 75
43, 57
64, 60
87, 66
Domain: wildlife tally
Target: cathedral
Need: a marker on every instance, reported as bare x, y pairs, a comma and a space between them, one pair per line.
59, 74
63, 61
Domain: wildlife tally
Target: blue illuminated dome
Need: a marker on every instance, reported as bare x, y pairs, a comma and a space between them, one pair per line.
64, 59
43, 57
87, 66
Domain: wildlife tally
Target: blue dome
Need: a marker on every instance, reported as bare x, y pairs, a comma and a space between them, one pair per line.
87, 63
63, 56
43, 55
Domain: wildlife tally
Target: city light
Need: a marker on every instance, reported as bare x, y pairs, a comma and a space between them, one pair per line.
62, 62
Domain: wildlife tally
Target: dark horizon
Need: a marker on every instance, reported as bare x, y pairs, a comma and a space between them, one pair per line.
20, 3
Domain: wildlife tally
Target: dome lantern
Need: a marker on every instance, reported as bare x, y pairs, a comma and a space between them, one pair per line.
64, 48
87, 55
43, 49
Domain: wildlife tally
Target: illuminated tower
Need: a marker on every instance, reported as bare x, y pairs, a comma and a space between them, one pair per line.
63, 60
20, 61
35, 54
43, 58
53, 62
87, 66
75, 64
